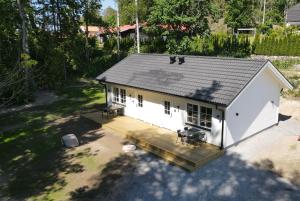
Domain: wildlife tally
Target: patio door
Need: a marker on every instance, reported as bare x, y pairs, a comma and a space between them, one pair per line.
176, 117
131, 104
171, 116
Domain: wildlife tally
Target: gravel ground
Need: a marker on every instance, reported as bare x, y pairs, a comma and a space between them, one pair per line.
231, 177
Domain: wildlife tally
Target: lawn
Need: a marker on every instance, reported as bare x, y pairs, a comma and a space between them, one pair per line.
292, 72
34, 165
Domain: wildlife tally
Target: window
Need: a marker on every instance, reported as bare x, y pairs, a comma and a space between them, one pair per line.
116, 94
140, 100
167, 107
205, 117
192, 114
123, 95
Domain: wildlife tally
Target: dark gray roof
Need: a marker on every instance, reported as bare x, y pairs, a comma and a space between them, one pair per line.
209, 79
293, 14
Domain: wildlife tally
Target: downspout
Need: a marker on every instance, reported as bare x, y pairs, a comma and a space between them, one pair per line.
222, 130
222, 133
106, 100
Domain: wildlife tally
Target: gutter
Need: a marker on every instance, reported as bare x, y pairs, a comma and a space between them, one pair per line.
187, 97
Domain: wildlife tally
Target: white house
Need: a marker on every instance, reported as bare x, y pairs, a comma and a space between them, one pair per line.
231, 99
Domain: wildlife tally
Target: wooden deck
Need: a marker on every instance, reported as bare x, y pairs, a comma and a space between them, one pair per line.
162, 142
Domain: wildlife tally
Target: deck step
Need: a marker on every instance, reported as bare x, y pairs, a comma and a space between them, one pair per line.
165, 154
185, 157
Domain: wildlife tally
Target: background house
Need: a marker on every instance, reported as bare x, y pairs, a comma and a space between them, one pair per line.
293, 15
126, 31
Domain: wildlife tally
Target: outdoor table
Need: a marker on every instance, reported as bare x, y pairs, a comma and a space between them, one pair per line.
114, 108
192, 133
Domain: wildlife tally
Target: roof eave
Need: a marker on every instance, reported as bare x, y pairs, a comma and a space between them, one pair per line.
188, 97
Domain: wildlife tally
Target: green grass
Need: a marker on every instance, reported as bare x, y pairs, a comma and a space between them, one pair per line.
31, 154
286, 64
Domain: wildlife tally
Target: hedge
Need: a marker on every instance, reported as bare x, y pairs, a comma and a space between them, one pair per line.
271, 46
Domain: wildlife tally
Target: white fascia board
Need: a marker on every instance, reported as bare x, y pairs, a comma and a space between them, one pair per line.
248, 84
285, 83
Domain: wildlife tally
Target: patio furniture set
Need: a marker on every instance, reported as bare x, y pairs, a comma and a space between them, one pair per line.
191, 136
113, 110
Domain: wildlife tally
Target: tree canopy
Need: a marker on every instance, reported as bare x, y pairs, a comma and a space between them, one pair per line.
110, 16
240, 14
178, 19
127, 10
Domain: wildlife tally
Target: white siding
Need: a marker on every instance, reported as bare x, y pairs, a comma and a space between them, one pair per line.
153, 111
256, 106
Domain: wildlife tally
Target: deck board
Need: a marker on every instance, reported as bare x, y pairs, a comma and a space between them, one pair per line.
162, 142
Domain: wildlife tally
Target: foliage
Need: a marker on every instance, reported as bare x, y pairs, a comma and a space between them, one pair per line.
177, 19
286, 64
127, 10
275, 10
57, 49
155, 45
277, 46
221, 45
110, 45
110, 16
91, 12
239, 14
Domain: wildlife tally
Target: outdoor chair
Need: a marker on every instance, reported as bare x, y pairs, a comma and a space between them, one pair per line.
179, 135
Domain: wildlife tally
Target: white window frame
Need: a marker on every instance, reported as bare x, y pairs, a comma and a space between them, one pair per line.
167, 107
201, 115
140, 100
192, 116
116, 94
205, 117
123, 96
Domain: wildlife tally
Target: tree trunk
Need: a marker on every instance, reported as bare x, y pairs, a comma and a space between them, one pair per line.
24, 46
86, 31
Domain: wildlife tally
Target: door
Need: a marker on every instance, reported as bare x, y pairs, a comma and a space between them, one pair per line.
176, 114
131, 104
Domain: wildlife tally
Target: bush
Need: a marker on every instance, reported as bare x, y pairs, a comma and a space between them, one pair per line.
221, 45
277, 46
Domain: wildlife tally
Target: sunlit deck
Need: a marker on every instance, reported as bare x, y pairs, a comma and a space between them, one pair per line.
162, 142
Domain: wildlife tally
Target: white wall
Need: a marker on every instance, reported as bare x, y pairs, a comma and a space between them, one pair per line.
153, 111
257, 108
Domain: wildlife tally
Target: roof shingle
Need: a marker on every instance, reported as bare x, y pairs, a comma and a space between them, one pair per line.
210, 79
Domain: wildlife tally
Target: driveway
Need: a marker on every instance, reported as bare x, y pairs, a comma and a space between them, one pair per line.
231, 177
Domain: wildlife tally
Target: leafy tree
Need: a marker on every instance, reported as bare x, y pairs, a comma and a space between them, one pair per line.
177, 19
127, 10
110, 16
239, 14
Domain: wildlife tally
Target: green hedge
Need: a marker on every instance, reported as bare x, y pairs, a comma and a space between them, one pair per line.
287, 46
221, 45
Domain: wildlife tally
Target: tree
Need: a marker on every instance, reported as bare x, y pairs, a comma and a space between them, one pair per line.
177, 19
110, 16
91, 16
127, 10
239, 14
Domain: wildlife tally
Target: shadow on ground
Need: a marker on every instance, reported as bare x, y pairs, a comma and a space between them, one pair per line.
146, 178
283, 117
32, 159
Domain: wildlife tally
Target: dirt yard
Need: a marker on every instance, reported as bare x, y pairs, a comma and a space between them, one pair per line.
290, 107
85, 163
